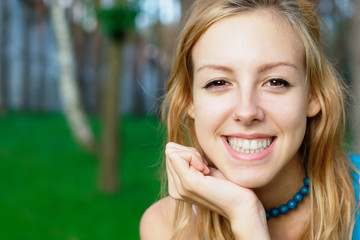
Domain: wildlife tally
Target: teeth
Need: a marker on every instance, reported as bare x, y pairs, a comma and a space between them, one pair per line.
253, 145
246, 145
249, 146
265, 143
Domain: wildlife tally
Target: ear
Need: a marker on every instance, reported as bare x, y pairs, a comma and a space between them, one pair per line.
314, 106
190, 110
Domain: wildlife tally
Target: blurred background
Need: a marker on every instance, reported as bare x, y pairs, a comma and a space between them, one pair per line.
81, 82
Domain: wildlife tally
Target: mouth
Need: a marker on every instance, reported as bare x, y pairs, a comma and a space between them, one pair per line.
255, 145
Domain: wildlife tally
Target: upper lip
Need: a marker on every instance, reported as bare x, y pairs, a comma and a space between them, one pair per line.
249, 136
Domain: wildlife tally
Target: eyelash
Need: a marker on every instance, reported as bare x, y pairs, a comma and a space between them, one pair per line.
284, 83
218, 83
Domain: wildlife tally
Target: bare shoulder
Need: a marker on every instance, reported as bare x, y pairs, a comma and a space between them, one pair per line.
156, 222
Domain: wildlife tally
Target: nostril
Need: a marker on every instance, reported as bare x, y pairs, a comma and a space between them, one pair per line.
247, 107
248, 116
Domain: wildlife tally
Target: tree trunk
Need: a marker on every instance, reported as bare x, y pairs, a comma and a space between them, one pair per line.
79, 50
41, 25
26, 81
68, 88
108, 179
40, 100
139, 62
97, 49
3, 56
355, 68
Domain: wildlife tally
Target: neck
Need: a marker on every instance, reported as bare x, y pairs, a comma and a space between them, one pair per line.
292, 225
284, 185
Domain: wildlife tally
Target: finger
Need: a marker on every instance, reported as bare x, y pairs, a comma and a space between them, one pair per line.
207, 191
173, 180
180, 147
180, 191
177, 147
195, 159
186, 173
196, 188
216, 174
192, 156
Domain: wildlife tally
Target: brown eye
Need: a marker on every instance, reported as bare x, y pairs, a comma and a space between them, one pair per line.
277, 82
217, 84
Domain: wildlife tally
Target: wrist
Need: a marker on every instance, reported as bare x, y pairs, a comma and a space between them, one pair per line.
246, 225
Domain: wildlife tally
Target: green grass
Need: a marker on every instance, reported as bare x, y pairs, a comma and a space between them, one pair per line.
48, 184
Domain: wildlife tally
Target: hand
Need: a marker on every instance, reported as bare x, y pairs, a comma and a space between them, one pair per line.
191, 180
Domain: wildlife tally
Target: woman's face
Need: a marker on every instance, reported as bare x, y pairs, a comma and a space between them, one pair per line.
250, 98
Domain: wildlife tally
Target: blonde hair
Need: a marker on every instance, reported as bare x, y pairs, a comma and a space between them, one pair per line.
332, 197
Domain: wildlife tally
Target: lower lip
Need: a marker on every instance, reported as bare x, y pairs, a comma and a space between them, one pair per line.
248, 156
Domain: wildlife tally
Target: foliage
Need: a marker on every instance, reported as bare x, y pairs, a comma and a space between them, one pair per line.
117, 21
47, 181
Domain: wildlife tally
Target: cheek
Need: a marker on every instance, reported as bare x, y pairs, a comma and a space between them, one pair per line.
288, 112
210, 113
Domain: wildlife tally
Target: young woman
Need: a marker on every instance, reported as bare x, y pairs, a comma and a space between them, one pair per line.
254, 114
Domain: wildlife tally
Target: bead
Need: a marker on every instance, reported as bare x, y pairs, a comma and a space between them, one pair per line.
298, 197
291, 204
274, 212
283, 209
306, 181
267, 215
304, 190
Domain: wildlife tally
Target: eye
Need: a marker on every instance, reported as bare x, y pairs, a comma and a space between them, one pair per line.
277, 83
219, 83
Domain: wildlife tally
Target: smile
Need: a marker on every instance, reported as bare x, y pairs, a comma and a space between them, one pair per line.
249, 145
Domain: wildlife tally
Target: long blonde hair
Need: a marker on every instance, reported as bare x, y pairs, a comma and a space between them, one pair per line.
332, 197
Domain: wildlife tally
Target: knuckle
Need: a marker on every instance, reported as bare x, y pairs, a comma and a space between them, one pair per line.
167, 151
170, 145
195, 152
197, 155
169, 154
193, 149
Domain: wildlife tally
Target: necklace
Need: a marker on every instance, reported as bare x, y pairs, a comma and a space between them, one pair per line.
292, 203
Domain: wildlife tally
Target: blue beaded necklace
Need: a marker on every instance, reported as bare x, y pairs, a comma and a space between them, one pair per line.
292, 203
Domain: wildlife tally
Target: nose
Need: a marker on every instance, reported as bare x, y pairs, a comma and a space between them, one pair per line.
247, 108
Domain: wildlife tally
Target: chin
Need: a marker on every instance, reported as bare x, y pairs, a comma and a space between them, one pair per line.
249, 180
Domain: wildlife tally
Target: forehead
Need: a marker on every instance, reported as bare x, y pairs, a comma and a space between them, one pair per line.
254, 37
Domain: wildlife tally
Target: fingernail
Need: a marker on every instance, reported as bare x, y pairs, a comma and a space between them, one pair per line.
206, 170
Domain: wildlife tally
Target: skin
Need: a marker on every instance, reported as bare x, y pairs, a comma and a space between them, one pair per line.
249, 83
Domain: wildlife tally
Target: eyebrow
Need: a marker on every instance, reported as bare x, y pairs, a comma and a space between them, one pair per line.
269, 66
261, 69
216, 67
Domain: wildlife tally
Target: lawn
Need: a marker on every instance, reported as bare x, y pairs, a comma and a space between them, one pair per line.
48, 185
